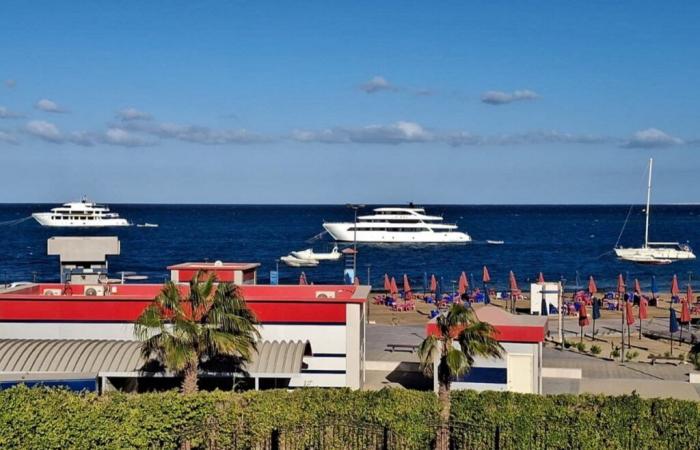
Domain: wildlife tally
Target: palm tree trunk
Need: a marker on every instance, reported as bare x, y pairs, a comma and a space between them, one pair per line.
189, 381
442, 440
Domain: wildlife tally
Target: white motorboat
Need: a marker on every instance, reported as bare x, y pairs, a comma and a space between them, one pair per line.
492, 242
397, 225
293, 261
80, 214
654, 252
333, 255
147, 225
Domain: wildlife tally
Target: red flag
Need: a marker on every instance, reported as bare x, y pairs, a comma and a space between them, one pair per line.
463, 284
433, 283
643, 312
540, 278
620, 284
637, 287
685, 312
302, 279
394, 289
387, 283
592, 288
406, 284
486, 278
674, 287
583, 316
629, 313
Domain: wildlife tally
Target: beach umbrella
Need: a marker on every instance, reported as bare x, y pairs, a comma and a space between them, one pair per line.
540, 278
689, 294
620, 285
672, 324
544, 310
643, 313
582, 318
685, 312
463, 284
629, 313
596, 314
674, 287
653, 286
302, 279
438, 291
487, 299
387, 283
394, 290
486, 278
433, 283
357, 281
592, 288
513, 282
637, 287
406, 284
425, 281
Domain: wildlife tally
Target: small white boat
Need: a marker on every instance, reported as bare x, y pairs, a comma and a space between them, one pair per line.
293, 261
147, 225
309, 254
490, 242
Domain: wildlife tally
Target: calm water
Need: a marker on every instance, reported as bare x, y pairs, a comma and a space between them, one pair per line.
558, 240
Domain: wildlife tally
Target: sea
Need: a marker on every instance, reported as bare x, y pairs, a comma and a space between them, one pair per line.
564, 242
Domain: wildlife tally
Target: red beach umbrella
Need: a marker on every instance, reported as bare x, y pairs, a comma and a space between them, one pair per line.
674, 287
486, 278
463, 284
583, 316
620, 284
592, 288
433, 283
689, 294
685, 312
406, 284
357, 281
643, 309
302, 279
540, 278
629, 313
637, 287
394, 289
387, 283
513, 283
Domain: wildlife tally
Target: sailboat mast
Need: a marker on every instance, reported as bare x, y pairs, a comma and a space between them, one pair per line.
646, 228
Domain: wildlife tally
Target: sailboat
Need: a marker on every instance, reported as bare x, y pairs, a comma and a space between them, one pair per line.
654, 252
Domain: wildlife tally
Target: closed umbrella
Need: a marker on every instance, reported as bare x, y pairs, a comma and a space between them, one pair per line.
685, 316
672, 324
643, 313
357, 281
487, 299
544, 309
637, 287
654, 290
394, 290
302, 279
675, 291
620, 285
433, 283
387, 283
514, 290
540, 278
582, 318
486, 278
621, 298
406, 284
463, 284
592, 288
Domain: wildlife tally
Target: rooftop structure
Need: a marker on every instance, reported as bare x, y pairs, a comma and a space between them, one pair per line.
83, 260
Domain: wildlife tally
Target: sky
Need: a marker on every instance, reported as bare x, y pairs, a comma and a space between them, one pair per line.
464, 102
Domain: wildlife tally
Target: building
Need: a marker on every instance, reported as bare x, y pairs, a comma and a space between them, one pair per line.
312, 335
83, 260
237, 273
520, 368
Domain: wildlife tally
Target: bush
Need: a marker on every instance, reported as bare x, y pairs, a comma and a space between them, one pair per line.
631, 355
581, 347
567, 344
615, 353
595, 349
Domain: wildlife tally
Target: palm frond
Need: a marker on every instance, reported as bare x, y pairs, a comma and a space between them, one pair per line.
428, 350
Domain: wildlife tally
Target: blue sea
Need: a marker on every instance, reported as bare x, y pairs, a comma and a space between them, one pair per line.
564, 242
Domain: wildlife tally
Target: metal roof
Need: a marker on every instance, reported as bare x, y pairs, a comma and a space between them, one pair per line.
96, 356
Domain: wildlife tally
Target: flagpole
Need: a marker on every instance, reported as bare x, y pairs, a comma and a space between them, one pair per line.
622, 343
593, 333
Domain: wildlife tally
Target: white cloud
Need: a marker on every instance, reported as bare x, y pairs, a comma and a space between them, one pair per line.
502, 98
7, 114
132, 114
397, 133
7, 138
45, 130
47, 105
10, 83
195, 134
377, 84
119, 136
652, 138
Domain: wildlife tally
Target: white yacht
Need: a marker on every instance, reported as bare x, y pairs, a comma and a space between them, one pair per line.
397, 225
654, 252
80, 214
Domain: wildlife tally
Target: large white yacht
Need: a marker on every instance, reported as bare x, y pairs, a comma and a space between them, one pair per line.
654, 252
80, 214
397, 225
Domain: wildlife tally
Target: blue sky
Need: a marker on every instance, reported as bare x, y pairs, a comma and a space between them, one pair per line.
333, 102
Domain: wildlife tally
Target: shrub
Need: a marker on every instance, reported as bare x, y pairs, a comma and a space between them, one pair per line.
581, 347
595, 349
567, 344
615, 353
630, 355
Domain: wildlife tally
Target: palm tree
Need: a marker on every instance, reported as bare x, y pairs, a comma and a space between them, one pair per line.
474, 338
181, 328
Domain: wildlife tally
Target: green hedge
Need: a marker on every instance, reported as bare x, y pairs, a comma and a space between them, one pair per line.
57, 419
578, 422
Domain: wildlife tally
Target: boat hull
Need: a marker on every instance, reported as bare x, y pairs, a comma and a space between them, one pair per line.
45, 220
654, 255
343, 232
